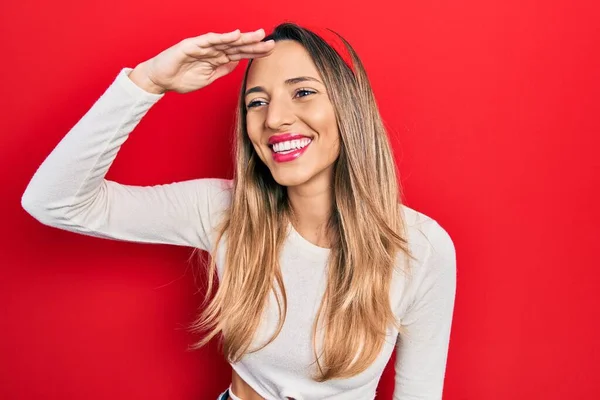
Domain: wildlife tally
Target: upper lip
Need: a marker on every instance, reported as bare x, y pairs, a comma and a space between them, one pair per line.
284, 137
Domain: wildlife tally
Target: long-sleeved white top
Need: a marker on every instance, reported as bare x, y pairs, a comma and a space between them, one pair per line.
69, 191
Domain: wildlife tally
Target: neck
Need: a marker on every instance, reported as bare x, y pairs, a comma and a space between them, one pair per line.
311, 203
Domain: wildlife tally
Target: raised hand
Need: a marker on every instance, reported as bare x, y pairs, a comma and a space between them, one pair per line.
198, 61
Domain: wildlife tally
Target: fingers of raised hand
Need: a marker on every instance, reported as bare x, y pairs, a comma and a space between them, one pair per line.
239, 56
258, 49
234, 44
225, 40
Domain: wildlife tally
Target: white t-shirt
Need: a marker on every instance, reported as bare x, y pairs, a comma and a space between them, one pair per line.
69, 191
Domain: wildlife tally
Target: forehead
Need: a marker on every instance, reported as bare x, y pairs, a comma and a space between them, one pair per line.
288, 60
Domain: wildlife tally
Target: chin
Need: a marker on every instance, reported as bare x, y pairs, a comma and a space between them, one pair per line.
290, 178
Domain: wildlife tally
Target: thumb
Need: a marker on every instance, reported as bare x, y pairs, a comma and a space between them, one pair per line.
224, 69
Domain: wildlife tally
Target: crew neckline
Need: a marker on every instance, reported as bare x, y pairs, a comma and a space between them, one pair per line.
304, 244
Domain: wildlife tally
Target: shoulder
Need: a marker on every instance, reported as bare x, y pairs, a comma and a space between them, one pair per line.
216, 184
217, 191
211, 198
429, 241
432, 269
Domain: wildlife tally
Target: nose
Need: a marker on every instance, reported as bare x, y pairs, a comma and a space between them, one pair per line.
279, 113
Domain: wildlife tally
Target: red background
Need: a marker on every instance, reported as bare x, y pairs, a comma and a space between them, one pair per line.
493, 106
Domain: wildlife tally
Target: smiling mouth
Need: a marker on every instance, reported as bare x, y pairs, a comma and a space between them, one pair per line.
290, 146
289, 150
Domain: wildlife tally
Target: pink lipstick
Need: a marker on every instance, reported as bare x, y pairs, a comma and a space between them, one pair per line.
288, 146
284, 137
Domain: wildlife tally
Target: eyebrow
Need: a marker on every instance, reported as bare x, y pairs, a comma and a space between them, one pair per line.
291, 81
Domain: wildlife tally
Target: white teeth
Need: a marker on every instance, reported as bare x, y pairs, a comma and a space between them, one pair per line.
291, 145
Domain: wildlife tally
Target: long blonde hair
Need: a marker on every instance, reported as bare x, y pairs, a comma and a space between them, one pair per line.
366, 225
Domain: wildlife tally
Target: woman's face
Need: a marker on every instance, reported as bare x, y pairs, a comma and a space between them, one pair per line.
290, 120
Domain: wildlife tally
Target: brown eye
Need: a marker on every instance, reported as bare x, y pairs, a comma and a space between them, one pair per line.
304, 92
255, 103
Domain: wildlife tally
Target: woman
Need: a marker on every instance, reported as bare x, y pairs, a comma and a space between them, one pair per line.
322, 271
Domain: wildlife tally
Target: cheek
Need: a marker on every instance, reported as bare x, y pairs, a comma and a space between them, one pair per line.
254, 130
325, 124
332, 133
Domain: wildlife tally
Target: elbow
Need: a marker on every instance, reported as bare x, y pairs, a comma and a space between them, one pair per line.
28, 202
34, 207
43, 206
58, 210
